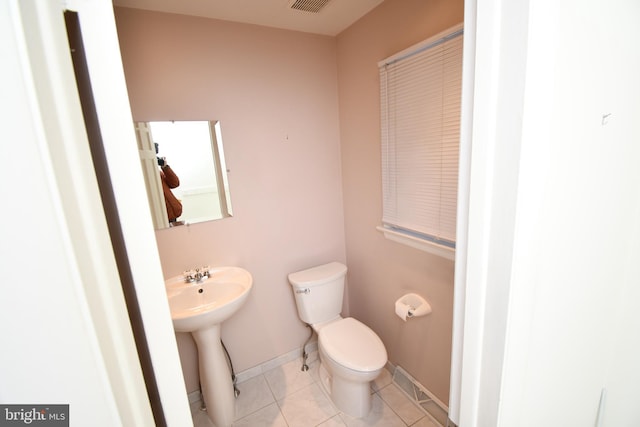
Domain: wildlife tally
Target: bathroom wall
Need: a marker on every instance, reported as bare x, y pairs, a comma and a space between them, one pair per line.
380, 271
294, 107
275, 93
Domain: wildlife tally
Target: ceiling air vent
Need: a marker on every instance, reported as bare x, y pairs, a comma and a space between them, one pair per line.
313, 6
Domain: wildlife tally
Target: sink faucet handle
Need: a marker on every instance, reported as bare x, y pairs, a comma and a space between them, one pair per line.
205, 270
189, 276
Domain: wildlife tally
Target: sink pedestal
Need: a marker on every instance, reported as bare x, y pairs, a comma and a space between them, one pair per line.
215, 377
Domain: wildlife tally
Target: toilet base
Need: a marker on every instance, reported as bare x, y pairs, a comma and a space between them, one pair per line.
350, 397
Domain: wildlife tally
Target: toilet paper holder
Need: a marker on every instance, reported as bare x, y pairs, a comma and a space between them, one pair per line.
412, 305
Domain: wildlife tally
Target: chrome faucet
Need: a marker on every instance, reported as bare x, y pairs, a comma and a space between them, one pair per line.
196, 275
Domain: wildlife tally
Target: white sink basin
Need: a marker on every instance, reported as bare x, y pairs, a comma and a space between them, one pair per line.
196, 306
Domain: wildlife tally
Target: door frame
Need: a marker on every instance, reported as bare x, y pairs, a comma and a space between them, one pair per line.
57, 108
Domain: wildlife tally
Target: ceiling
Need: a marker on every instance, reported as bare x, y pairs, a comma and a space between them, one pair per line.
336, 16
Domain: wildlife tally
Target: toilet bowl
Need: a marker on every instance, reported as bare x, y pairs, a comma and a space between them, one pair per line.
351, 354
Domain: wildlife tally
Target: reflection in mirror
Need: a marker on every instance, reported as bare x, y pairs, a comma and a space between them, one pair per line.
189, 154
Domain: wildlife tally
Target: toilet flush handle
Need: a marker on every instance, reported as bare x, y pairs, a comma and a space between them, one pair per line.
303, 291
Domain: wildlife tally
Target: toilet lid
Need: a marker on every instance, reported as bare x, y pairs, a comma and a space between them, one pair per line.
353, 345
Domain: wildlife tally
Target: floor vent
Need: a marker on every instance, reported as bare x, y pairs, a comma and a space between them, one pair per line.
421, 396
313, 6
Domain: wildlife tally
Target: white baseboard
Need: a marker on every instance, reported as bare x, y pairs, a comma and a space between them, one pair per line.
247, 374
194, 396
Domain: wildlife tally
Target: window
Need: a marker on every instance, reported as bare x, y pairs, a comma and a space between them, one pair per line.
420, 90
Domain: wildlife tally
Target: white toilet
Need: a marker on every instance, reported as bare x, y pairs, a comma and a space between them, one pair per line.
351, 354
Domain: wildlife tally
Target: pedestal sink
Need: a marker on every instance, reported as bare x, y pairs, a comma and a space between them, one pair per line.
200, 308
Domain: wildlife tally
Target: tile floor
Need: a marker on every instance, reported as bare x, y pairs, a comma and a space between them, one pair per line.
287, 397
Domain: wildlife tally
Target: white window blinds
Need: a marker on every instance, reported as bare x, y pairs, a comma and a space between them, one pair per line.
420, 91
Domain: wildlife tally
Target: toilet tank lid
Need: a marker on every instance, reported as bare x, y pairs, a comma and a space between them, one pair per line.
318, 275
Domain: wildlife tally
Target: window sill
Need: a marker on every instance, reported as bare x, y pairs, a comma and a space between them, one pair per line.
414, 242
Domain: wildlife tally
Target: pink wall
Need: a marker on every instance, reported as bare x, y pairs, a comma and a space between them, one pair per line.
380, 271
291, 156
275, 93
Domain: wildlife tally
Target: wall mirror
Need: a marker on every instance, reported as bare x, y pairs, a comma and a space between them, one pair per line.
193, 152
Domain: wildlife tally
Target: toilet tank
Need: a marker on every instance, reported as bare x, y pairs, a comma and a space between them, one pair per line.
318, 292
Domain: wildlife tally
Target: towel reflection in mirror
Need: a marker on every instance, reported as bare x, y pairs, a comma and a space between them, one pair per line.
169, 180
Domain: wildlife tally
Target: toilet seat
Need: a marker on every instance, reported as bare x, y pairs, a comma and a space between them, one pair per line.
353, 345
